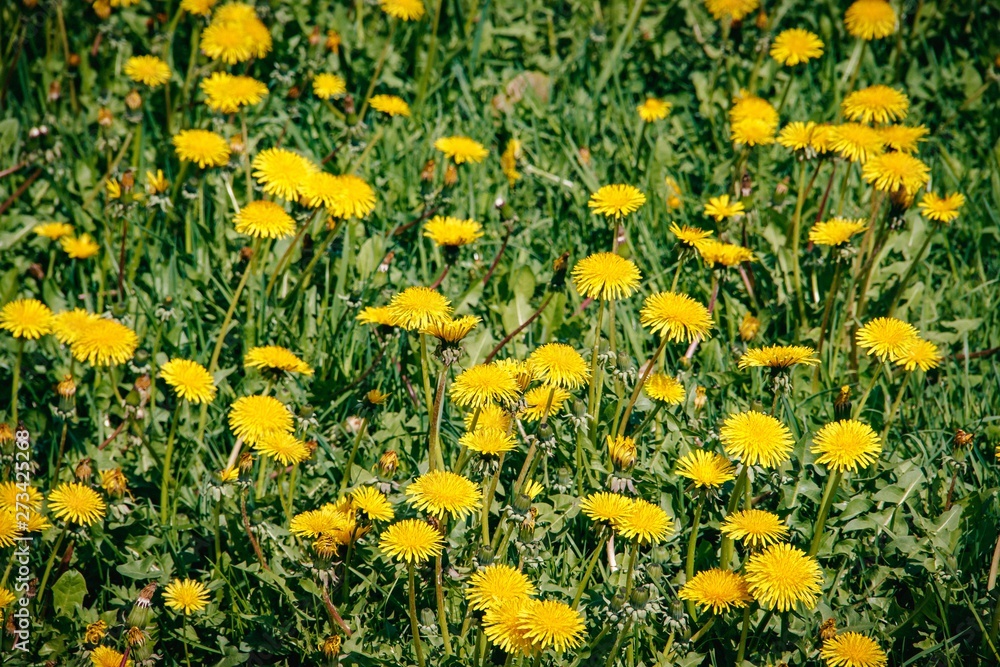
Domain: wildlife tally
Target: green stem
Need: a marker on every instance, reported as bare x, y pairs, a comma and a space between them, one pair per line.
431, 57
677, 273
727, 542
705, 628
741, 651
414, 628
165, 483
594, 395
832, 482
488, 491
639, 384
217, 522
262, 476
630, 572
441, 611
435, 458
618, 642
346, 480
859, 406
15, 385
895, 405
345, 588
692, 547
795, 234
828, 307
591, 564
48, 566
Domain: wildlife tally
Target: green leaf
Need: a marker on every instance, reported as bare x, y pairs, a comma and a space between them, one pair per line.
68, 592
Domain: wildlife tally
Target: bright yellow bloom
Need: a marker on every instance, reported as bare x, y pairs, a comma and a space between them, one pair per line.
615, 201
80, 247
227, 93
941, 209
502, 625
903, 138
452, 232
893, 171
372, 502
727, 254
644, 522
797, 135
756, 528
606, 276
778, 356
281, 172
9, 532
720, 208
236, 35
264, 219
104, 342
190, 380
380, 315
676, 317
752, 132
852, 649
484, 384
275, 358
105, 656
461, 149
67, 326
390, 105
549, 623
604, 507
846, 445
407, 10
855, 141
836, 231
795, 46
156, 182
664, 388
441, 492
27, 318
781, 576
411, 540
495, 584
732, 9
53, 230
870, 19
878, 104
9, 492
886, 337
653, 109
622, 450
542, 401
199, 7
149, 70
203, 147
76, 503
716, 589
343, 196
450, 330
692, 237
489, 416
559, 364
416, 307
282, 447
488, 441
508, 161
186, 595
254, 418
756, 439
326, 85
706, 469
920, 353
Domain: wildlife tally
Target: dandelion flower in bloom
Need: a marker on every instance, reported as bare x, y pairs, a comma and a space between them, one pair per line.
797, 136
76, 503
653, 109
821, 139
380, 315
407, 10
532, 488
8, 532
644, 522
550, 623
542, 401
461, 149
236, 35
665, 389
903, 138
622, 450
488, 441
67, 326
752, 132
9, 492
484, 384
281, 172
508, 161
264, 219
889, 172
390, 105
920, 353
691, 237
27, 318
502, 625
326, 85
316, 522
372, 502
606, 276
452, 232
105, 656
941, 209
778, 356
732, 9
411, 540
846, 445
189, 379
203, 147
343, 196
605, 507
495, 584
441, 492
226, 93
707, 470
756, 528
852, 649
717, 589
79, 247
199, 7
149, 70
519, 370
870, 19
416, 307
836, 231
489, 416
53, 230
720, 208
451, 330
855, 141
714, 252
559, 364
186, 595
886, 337
282, 447
795, 46
676, 317
104, 342
254, 418
275, 358
752, 120
781, 576
616, 200
756, 439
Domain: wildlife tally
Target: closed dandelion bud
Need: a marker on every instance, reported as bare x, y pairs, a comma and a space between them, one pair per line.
544, 431
104, 117
761, 19
640, 596
114, 483
133, 399
564, 477
138, 616
331, 646
388, 463
36, 271
484, 556
74, 60
655, 572
624, 362
781, 191
237, 146
294, 93
522, 503
558, 281
618, 600
246, 252
95, 632
828, 630
349, 108
333, 41
450, 175
749, 326
427, 173
246, 462
842, 404
622, 451
700, 398
133, 100
526, 531
83, 470
579, 408
67, 394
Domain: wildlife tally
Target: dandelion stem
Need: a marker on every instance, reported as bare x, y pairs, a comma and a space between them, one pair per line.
795, 233
832, 482
40, 597
692, 547
591, 564
677, 274
15, 384
488, 491
705, 628
741, 651
895, 405
346, 480
828, 309
441, 611
618, 642
165, 483
639, 384
414, 628
727, 542
435, 457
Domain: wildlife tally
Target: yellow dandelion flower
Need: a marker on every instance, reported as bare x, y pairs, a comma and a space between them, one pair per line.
416, 307
756, 439
203, 147
390, 105
604, 507
282, 447
488, 441
186, 595
53, 230
653, 109
508, 161
920, 353
442, 492
495, 584
532, 488
644, 522
549, 623
104, 342
778, 356
676, 317
752, 132
664, 388
462, 149
189, 379
732, 9
852, 649
9, 531
714, 252
156, 182
236, 35
326, 85
821, 139
314, 523
836, 231
886, 337
846, 445
795, 46
781, 576
148, 70
542, 401
941, 209
344, 196
692, 237
559, 364
451, 330
199, 7
226, 93
856, 142
254, 418
76, 503
105, 656
6, 598
372, 502
893, 171
380, 315
281, 172
407, 10
707, 470
411, 540
519, 370
484, 384
756, 528
264, 219
489, 416
9, 492
606, 276
903, 138
615, 201
717, 589
79, 247
452, 232
870, 19
502, 625
720, 208
797, 135
275, 358
27, 318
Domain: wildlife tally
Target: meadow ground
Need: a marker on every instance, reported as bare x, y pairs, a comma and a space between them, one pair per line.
467, 332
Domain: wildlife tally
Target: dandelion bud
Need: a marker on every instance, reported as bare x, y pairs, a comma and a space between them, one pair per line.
427, 173
484, 556
564, 477
522, 503
526, 531
133, 100
83, 470
228, 475
640, 596
749, 326
104, 117
36, 271
388, 463
95, 632
246, 462
842, 404
622, 451
67, 393
236, 145
828, 630
331, 646
138, 616
746, 186
544, 431
700, 398
114, 483
450, 175
294, 93
73, 60
655, 572
618, 600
